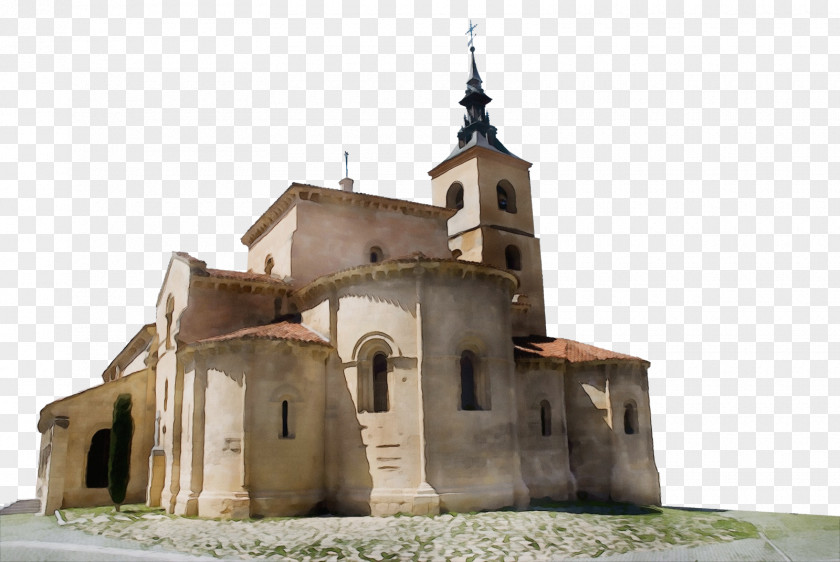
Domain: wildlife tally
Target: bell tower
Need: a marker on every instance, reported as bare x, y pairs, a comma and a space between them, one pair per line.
491, 189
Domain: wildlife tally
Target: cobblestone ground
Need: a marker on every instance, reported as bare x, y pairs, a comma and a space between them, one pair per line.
536, 534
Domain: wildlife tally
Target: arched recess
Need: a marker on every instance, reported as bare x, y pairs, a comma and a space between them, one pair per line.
545, 418
513, 258
455, 196
269, 264
96, 472
631, 418
506, 196
372, 367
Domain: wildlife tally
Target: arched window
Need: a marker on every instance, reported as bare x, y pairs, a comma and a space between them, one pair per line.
506, 196
376, 254
455, 196
380, 383
170, 309
372, 365
545, 418
269, 264
285, 419
475, 394
631, 419
513, 259
97, 459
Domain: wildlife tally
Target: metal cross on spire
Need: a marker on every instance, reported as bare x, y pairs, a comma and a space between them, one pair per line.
470, 31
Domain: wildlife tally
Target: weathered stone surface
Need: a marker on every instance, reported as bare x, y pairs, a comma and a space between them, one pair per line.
378, 357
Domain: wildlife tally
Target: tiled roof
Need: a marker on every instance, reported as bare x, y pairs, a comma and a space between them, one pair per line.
570, 350
245, 276
200, 268
279, 331
308, 192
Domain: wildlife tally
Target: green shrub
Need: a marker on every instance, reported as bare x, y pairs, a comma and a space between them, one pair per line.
119, 458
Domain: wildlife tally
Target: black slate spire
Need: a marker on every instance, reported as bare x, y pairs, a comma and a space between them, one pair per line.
477, 120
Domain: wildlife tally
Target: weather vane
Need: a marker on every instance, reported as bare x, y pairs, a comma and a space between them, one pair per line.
346, 173
470, 31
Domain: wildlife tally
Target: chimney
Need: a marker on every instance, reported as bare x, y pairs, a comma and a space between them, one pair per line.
346, 184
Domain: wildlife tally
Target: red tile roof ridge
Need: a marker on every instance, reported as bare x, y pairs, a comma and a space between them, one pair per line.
289, 331
569, 350
246, 276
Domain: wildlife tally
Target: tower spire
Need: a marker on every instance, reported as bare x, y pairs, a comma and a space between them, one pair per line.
476, 130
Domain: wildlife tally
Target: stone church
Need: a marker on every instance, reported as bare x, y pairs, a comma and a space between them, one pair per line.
379, 356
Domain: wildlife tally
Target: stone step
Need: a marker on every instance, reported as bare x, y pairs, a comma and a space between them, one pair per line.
21, 506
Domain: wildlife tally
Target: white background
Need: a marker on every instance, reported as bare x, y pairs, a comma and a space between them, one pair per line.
685, 179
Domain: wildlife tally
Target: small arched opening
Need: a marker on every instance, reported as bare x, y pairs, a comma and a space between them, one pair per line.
513, 258
506, 196
375, 254
269, 264
380, 383
631, 419
96, 475
455, 196
545, 418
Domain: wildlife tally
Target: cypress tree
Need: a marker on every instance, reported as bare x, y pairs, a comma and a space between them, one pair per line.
119, 457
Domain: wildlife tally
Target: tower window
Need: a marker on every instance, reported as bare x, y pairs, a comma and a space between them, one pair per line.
380, 383
631, 419
376, 254
513, 259
269, 264
506, 196
455, 196
545, 418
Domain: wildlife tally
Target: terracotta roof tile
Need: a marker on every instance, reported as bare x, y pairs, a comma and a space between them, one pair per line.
570, 350
245, 276
279, 331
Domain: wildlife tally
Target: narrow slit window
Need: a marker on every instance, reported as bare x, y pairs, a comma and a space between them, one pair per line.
285, 419
269, 264
469, 399
170, 309
380, 383
631, 419
545, 418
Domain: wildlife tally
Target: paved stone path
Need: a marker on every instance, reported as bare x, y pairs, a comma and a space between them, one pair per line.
538, 534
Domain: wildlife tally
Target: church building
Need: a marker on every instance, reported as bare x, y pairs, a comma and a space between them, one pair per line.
379, 356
